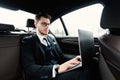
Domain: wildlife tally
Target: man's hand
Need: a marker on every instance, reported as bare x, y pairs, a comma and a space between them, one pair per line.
69, 64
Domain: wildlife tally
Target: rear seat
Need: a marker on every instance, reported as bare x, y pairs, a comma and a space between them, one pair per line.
10, 68
10, 65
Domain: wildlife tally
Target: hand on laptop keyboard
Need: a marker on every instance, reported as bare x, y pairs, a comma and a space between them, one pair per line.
69, 64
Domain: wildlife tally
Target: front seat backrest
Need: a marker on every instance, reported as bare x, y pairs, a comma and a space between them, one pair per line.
110, 43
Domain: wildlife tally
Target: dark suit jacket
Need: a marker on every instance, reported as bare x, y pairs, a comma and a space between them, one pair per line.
33, 58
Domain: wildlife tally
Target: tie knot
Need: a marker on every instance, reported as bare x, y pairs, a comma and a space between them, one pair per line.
46, 40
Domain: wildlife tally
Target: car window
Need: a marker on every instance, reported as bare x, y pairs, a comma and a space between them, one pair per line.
87, 18
57, 28
17, 18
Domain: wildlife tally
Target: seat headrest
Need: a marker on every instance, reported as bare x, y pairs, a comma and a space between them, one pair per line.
110, 17
6, 27
30, 23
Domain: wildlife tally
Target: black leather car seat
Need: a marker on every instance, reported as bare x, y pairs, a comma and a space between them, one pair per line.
110, 43
10, 67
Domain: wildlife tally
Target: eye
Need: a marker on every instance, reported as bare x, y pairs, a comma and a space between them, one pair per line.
45, 24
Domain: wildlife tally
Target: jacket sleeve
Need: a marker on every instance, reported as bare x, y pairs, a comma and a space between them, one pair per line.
29, 64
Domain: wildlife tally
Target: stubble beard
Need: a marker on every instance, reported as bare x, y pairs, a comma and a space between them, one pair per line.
42, 33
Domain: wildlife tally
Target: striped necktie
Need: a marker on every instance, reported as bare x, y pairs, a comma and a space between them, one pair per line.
48, 44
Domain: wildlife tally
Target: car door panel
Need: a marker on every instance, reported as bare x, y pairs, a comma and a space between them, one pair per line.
69, 45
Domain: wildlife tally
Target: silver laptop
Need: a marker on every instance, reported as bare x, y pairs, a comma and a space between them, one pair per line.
86, 46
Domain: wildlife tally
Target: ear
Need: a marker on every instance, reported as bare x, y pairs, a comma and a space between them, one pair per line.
35, 23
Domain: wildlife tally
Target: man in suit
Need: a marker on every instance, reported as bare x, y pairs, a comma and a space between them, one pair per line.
42, 58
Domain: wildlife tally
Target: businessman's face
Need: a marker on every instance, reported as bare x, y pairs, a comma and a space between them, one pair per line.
43, 25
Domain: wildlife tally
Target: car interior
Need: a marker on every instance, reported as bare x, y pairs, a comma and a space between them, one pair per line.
104, 64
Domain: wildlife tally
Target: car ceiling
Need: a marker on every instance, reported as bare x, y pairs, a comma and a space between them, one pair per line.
54, 7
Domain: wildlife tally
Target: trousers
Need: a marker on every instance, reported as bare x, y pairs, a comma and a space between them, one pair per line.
76, 74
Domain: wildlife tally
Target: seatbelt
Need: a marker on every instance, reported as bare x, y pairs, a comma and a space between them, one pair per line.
105, 72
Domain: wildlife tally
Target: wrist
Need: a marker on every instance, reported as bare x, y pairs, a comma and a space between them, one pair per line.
56, 69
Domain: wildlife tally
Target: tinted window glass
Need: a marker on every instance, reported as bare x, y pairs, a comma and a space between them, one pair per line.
87, 18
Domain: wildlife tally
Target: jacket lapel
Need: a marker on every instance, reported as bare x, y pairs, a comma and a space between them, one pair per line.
37, 41
52, 42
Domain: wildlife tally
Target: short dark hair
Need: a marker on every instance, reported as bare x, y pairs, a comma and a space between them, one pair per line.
42, 14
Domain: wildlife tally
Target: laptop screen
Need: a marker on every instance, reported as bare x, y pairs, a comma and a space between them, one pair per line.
86, 45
